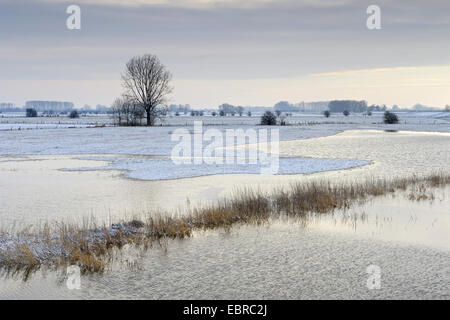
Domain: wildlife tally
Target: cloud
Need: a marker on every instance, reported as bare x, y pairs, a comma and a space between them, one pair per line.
220, 51
404, 86
380, 71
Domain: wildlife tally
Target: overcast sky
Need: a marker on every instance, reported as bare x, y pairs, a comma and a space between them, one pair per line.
253, 52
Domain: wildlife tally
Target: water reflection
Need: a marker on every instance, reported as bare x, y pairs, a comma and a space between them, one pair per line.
395, 218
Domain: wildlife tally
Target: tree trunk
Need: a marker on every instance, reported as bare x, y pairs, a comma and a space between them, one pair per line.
149, 120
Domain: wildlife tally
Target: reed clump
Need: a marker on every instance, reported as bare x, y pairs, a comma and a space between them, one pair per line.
91, 247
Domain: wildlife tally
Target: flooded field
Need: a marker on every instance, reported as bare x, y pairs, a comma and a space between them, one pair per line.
324, 257
39, 188
278, 261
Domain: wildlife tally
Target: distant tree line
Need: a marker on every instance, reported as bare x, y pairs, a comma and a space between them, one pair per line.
347, 105
228, 109
374, 107
57, 106
179, 109
197, 113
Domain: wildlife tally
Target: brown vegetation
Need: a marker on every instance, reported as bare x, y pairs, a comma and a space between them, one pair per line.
91, 247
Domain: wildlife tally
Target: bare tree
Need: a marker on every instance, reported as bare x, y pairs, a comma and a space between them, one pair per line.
146, 79
127, 111
117, 111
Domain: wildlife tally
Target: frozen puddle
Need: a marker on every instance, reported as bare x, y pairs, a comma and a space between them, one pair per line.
163, 168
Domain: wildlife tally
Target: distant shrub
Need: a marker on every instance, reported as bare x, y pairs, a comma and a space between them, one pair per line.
390, 118
222, 113
327, 114
74, 114
369, 113
249, 113
31, 113
214, 113
278, 113
268, 119
346, 113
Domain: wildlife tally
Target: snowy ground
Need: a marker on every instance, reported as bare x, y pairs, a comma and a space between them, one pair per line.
163, 168
84, 137
11, 121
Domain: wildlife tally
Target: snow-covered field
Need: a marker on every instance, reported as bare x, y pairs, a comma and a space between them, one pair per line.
9, 121
163, 168
87, 136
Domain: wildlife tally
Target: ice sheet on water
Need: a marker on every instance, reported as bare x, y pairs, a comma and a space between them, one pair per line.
163, 168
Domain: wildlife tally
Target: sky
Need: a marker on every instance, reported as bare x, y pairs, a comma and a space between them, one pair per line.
253, 52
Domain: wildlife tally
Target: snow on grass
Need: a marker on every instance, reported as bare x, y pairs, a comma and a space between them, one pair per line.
32, 126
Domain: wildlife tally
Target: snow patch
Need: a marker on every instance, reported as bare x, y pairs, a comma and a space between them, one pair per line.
163, 168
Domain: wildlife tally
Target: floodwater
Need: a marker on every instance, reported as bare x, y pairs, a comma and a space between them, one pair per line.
36, 188
395, 218
280, 261
324, 258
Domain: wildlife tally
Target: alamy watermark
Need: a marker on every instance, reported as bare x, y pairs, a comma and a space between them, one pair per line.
374, 20
73, 281
73, 22
374, 279
227, 147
